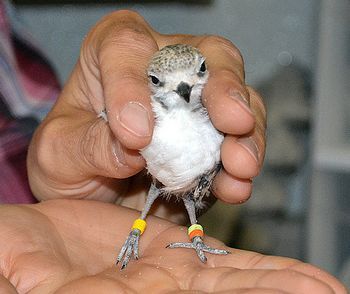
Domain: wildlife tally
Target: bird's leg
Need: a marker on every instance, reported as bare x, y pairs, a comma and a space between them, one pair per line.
131, 245
195, 232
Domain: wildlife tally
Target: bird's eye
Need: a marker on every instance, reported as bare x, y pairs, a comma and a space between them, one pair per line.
155, 81
202, 69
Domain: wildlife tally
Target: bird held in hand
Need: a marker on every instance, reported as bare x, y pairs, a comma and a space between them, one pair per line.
184, 154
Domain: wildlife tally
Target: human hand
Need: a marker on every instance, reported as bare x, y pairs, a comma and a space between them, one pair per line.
75, 154
70, 246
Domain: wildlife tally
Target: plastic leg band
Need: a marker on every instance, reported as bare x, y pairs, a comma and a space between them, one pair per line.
140, 225
195, 230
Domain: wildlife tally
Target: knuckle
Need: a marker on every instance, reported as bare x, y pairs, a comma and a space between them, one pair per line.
127, 48
228, 76
125, 41
47, 142
119, 18
230, 83
129, 35
87, 143
258, 104
225, 44
98, 151
123, 30
124, 14
304, 283
91, 148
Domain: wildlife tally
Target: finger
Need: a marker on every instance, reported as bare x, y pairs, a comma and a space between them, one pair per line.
120, 48
243, 260
245, 269
258, 135
224, 279
123, 59
225, 95
242, 157
320, 275
230, 189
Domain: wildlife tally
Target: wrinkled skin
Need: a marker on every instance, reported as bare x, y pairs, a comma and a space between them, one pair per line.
75, 154
69, 246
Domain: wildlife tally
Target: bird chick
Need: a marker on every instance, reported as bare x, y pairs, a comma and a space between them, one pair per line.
184, 154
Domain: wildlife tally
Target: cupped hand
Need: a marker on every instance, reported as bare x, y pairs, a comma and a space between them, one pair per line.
76, 154
70, 246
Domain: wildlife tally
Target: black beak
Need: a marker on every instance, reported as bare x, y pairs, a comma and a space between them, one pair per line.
184, 90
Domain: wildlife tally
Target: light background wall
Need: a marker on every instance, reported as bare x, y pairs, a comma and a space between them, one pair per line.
268, 32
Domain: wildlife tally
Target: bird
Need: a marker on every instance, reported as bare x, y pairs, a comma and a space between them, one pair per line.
183, 156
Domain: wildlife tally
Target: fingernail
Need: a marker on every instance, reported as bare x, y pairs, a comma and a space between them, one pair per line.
241, 100
119, 153
249, 144
135, 118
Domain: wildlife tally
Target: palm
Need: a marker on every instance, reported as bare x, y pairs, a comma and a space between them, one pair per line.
71, 246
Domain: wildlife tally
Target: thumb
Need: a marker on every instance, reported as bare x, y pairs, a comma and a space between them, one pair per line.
115, 57
73, 147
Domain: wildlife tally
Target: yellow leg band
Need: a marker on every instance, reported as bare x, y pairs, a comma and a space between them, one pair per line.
139, 224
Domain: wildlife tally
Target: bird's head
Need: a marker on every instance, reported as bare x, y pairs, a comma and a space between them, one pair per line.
177, 75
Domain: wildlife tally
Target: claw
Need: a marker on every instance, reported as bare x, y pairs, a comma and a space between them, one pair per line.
130, 247
198, 245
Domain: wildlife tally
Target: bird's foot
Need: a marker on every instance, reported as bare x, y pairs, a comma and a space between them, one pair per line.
130, 247
198, 245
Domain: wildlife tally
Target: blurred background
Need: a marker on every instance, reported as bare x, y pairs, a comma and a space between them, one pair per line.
297, 54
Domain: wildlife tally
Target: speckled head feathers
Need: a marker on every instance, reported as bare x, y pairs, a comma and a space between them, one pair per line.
174, 57
177, 75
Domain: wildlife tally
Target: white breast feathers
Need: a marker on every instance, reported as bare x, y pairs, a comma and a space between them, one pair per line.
184, 146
